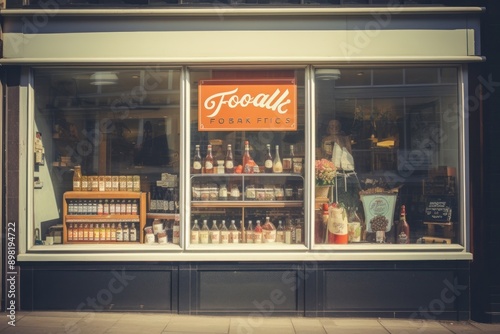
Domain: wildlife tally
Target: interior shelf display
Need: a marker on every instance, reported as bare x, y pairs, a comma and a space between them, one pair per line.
103, 217
246, 203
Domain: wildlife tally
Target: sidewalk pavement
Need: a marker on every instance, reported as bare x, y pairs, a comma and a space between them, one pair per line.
125, 323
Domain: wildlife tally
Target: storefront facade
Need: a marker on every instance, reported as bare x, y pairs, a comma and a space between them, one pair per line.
270, 98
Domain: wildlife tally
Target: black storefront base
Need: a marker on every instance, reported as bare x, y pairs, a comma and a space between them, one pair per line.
390, 289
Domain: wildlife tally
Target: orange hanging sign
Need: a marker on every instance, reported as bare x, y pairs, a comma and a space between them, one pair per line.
232, 105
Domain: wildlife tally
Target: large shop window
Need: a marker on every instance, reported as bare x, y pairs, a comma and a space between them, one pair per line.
388, 148
107, 147
247, 159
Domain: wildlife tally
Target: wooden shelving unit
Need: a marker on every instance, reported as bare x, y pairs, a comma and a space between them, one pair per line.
140, 218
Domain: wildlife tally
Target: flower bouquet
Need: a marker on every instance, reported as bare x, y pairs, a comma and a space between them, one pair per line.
325, 177
325, 172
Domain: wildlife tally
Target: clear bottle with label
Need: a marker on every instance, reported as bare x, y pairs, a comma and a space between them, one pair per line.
119, 232
299, 230
77, 178
288, 160
214, 233
224, 233
204, 233
249, 233
280, 232
209, 161
195, 232
107, 232
268, 160
113, 232
277, 165
257, 233
248, 162
133, 233
126, 232
229, 160
96, 232
196, 161
233, 233
288, 232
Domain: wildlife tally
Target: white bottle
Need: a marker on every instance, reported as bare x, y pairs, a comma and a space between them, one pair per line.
204, 233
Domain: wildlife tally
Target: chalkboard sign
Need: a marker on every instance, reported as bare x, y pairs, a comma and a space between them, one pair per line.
438, 210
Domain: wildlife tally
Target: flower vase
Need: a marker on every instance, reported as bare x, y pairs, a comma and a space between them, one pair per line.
322, 191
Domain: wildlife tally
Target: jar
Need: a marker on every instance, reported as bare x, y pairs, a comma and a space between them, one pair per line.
196, 192
300, 193
250, 193
122, 180
162, 237
149, 237
288, 192
94, 183
205, 192
107, 183
115, 183
157, 226
279, 193
223, 192
102, 183
235, 193
130, 183
136, 183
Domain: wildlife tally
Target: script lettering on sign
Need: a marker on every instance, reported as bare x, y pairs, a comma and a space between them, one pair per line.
267, 104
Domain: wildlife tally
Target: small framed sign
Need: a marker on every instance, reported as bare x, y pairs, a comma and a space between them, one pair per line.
438, 209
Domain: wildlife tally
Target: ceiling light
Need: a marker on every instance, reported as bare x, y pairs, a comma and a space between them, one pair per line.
328, 74
103, 78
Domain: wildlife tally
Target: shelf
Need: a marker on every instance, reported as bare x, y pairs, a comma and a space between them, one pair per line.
155, 215
247, 204
243, 175
102, 195
102, 218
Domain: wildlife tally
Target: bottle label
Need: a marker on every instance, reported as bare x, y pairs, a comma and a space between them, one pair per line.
224, 237
209, 165
229, 164
280, 236
257, 237
402, 238
197, 165
176, 234
204, 237
215, 237
268, 164
76, 185
194, 237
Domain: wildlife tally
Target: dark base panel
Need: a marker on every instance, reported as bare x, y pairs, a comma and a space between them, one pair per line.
432, 290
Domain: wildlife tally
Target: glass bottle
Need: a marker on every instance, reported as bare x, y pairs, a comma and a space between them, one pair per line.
224, 233
214, 233
288, 232
248, 162
277, 165
119, 232
126, 232
249, 233
171, 201
195, 232
268, 161
229, 161
113, 232
85, 183
233, 233
280, 232
197, 160
91, 232
209, 161
96, 232
80, 232
176, 232
102, 232
133, 233
204, 233
257, 233
298, 232
77, 178
288, 160
107, 232
85, 232
403, 228
70, 232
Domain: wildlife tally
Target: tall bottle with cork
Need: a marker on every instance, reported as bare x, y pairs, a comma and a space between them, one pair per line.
268, 161
403, 236
248, 161
277, 165
209, 161
197, 161
229, 161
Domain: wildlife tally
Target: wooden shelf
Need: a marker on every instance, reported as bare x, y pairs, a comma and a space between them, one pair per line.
90, 195
155, 215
